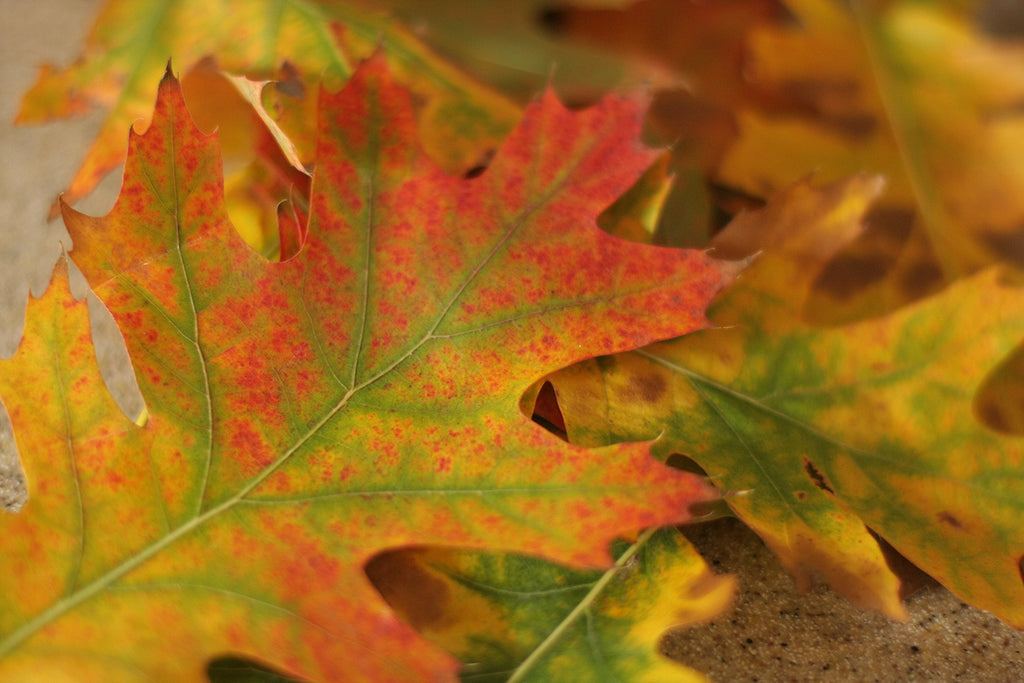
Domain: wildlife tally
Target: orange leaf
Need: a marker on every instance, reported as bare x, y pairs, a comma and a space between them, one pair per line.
915, 92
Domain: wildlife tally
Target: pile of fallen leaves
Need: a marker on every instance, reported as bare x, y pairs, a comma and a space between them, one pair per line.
354, 309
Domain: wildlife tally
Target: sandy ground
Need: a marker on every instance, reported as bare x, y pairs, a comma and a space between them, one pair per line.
772, 633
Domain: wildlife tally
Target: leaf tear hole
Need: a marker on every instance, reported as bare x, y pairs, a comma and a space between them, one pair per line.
554, 19
685, 463
417, 596
709, 511
912, 578
231, 669
480, 166
817, 478
547, 413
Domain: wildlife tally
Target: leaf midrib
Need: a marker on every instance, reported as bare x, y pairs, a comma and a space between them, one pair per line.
581, 609
195, 339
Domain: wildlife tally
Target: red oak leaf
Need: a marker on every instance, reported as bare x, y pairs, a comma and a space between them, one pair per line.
308, 414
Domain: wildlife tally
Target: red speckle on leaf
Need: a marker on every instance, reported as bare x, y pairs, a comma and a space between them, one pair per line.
113, 480
387, 460
247, 446
236, 635
280, 483
382, 341
582, 513
346, 473
385, 359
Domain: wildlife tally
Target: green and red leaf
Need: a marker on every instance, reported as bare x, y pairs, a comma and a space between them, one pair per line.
823, 436
307, 414
521, 619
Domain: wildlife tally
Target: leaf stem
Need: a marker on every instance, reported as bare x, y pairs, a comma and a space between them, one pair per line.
545, 645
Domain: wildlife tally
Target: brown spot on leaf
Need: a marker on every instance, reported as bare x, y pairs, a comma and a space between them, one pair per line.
889, 226
947, 518
811, 91
1020, 567
418, 597
1007, 246
553, 19
648, 388
992, 415
921, 279
800, 495
870, 257
852, 125
849, 273
999, 402
817, 478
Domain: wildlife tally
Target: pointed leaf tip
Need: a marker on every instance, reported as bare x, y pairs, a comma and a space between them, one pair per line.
61, 277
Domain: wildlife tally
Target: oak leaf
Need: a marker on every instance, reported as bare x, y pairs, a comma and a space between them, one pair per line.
305, 415
518, 618
823, 436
